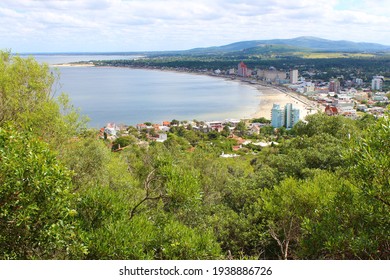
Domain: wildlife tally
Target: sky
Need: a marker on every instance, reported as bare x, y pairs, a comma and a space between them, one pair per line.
159, 25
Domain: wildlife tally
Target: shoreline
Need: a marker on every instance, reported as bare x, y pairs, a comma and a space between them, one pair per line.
72, 65
267, 94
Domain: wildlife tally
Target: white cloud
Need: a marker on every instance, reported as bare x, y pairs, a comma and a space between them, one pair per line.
126, 25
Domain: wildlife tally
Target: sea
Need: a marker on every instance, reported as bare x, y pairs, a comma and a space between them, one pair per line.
131, 96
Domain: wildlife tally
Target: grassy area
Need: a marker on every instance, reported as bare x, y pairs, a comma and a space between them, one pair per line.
336, 55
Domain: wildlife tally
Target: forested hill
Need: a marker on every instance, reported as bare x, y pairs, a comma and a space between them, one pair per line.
299, 43
320, 191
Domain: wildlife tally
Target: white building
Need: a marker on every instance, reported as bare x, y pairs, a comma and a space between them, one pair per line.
277, 116
294, 76
286, 117
377, 82
359, 82
291, 116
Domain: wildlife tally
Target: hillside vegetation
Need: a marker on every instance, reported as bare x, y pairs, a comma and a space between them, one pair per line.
322, 193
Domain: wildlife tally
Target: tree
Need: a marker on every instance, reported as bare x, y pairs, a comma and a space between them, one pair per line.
261, 120
241, 129
27, 99
175, 122
123, 141
370, 162
37, 218
226, 131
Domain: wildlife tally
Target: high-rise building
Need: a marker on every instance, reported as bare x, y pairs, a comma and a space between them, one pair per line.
358, 81
271, 75
294, 76
277, 116
377, 83
286, 117
334, 86
291, 116
242, 70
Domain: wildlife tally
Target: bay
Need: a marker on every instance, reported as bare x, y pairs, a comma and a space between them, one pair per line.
131, 96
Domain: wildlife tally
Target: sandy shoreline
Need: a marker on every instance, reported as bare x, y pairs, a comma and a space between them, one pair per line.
268, 94
73, 65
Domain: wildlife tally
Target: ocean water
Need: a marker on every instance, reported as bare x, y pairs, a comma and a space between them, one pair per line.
131, 96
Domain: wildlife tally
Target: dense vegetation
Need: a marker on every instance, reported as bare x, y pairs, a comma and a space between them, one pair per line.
322, 193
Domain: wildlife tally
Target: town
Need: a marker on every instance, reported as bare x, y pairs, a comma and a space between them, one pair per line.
352, 98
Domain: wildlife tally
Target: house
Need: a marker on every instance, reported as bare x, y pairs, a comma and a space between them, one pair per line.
111, 130
254, 129
331, 110
166, 123
141, 126
232, 122
162, 137
236, 148
362, 107
215, 125
231, 71
223, 155
164, 128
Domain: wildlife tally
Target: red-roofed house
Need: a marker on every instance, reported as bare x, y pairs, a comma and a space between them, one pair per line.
331, 110
141, 126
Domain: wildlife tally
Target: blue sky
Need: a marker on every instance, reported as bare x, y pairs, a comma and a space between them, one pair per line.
149, 25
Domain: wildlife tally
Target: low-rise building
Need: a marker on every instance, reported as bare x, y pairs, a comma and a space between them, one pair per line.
331, 110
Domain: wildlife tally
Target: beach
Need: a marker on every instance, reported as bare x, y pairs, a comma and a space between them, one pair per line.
77, 64
268, 95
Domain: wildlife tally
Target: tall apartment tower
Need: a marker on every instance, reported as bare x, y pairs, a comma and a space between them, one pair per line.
277, 116
294, 76
291, 116
242, 70
334, 86
377, 83
286, 117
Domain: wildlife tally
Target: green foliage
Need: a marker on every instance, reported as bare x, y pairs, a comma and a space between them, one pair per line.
123, 141
27, 100
175, 122
287, 205
370, 162
241, 129
347, 227
261, 120
322, 192
88, 158
37, 220
337, 126
180, 242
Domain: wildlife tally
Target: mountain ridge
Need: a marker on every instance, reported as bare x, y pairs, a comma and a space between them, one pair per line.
306, 42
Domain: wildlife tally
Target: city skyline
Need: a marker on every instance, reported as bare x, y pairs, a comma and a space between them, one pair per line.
156, 25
